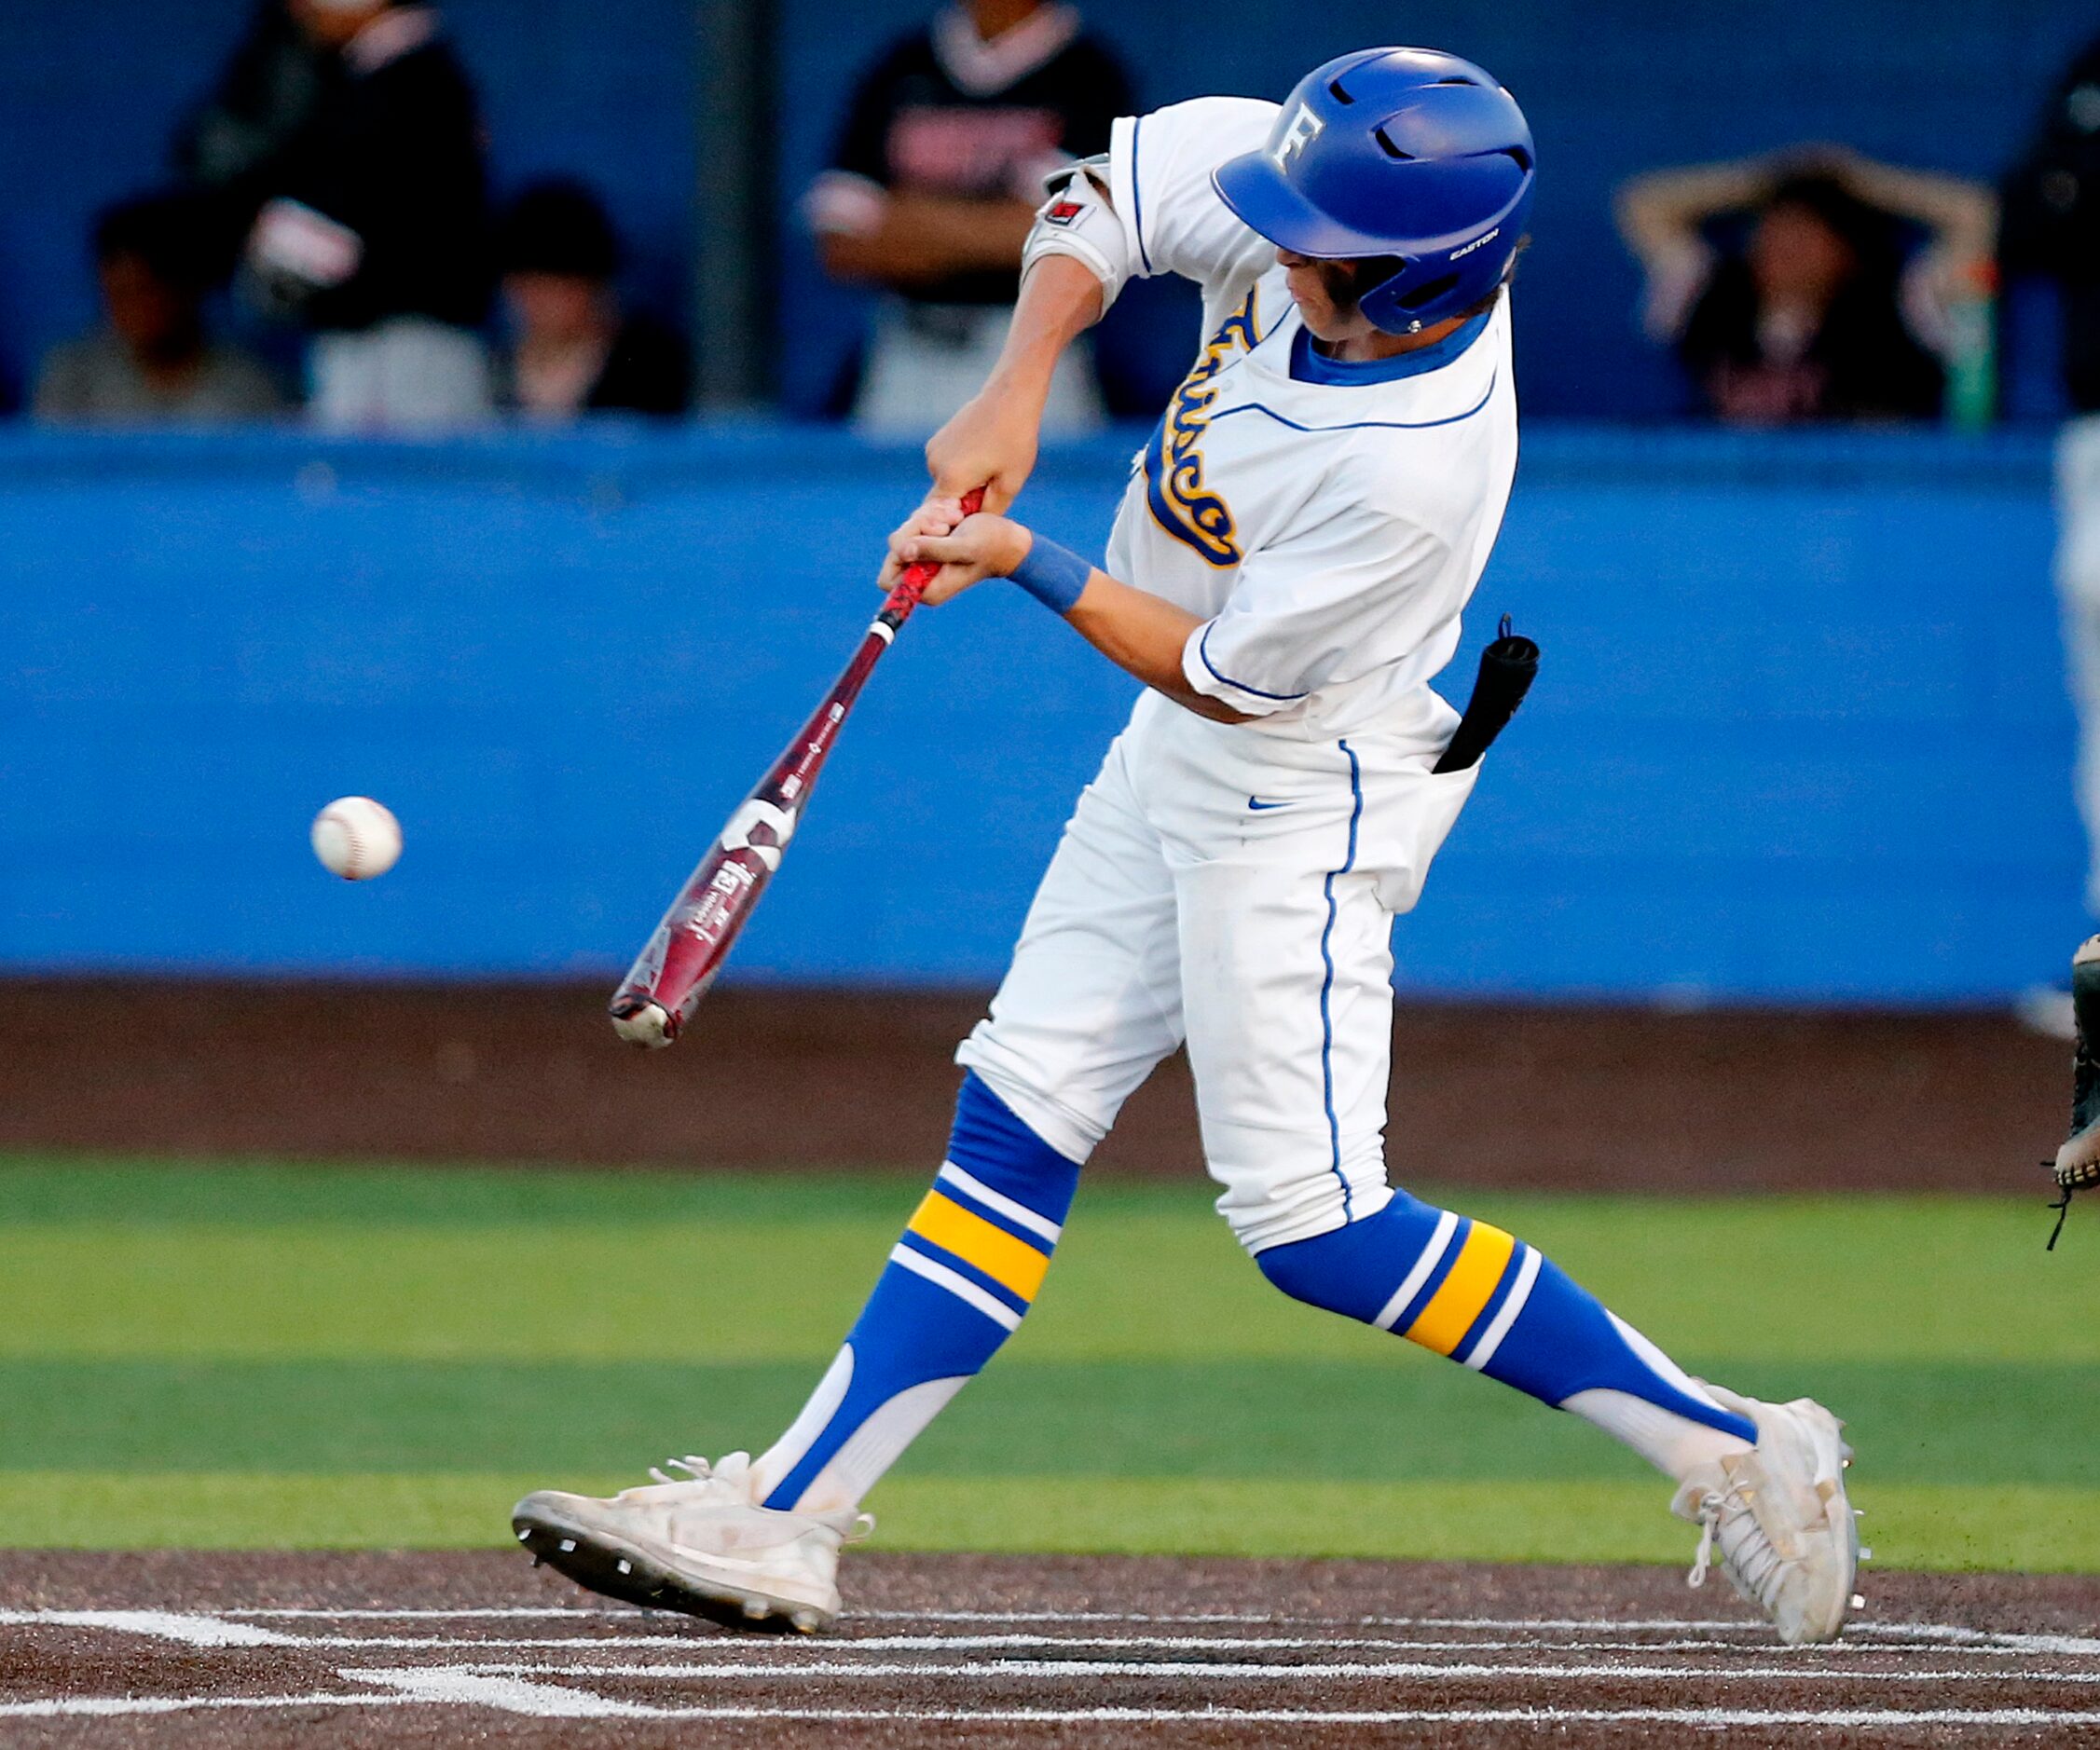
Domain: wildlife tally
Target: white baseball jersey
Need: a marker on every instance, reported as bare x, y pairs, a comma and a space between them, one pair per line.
1233, 887
1329, 521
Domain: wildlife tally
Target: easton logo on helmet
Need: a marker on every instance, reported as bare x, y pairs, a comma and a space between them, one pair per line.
1304, 129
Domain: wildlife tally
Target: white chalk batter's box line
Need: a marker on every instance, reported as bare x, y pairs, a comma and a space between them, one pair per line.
553, 1687
1979, 1640
242, 1626
547, 1701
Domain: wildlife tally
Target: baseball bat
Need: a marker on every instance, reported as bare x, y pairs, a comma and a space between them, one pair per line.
672, 972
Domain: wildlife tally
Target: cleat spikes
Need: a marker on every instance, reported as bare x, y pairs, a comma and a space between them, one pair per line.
808, 1621
523, 1536
1858, 1601
626, 1567
568, 1546
757, 1609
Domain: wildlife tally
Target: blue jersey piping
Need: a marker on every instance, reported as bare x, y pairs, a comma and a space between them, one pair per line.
1361, 425
1203, 653
1327, 983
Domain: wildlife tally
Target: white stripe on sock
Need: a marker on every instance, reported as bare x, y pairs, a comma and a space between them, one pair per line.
1446, 1224
1666, 1370
876, 1444
1017, 1213
777, 1463
961, 1286
1519, 1291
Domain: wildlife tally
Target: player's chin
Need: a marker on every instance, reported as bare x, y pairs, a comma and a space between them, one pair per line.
1325, 323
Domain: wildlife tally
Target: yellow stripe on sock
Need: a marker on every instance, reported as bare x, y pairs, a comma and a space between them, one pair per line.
1009, 1262
1462, 1293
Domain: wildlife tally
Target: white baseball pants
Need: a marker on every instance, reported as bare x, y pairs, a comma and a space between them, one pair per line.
2078, 590
1234, 887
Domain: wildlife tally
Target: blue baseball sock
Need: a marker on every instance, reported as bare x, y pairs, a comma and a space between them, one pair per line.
1471, 1292
969, 1264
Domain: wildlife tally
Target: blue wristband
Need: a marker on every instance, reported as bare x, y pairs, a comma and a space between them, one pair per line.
1053, 575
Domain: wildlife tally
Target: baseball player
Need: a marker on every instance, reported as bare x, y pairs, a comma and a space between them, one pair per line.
1286, 574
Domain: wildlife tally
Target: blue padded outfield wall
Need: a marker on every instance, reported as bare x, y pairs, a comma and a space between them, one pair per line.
1800, 733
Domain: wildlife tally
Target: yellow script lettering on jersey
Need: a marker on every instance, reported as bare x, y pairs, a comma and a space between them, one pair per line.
1173, 464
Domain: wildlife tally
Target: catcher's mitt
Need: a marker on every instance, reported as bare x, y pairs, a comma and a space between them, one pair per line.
2076, 1165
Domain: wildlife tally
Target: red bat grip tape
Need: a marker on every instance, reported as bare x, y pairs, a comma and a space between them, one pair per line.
672, 972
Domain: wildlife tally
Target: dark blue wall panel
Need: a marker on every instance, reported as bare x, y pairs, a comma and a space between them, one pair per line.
1801, 731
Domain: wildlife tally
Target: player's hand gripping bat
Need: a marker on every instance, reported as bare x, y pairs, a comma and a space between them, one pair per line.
673, 972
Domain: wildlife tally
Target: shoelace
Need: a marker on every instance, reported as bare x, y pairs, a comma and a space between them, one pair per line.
697, 1469
1702, 1558
1754, 1569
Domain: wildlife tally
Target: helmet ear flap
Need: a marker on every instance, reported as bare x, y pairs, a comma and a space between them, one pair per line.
1414, 297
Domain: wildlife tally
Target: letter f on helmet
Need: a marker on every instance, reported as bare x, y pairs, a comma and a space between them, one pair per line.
1301, 132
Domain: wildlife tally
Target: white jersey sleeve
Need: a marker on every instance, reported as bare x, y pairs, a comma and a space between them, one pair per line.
1159, 180
1323, 609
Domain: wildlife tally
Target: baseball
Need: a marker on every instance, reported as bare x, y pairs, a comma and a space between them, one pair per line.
356, 837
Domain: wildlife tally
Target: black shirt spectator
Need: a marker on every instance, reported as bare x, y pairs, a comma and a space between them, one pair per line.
2052, 218
266, 96
370, 210
949, 114
575, 349
934, 184
391, 151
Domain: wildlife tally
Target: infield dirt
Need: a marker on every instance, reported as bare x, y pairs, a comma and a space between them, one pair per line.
479, 1648
1567, 1098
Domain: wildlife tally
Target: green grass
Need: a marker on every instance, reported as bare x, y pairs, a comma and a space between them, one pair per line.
260, 1355
2033, 1529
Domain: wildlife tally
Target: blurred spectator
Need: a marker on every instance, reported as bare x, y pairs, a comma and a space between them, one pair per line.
2053, 228
2051, 223
574, 350
366, 193
152, 358
264, 98
931, 191
1783, 285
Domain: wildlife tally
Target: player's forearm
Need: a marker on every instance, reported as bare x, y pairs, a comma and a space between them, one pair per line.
1143, 635
1140, 633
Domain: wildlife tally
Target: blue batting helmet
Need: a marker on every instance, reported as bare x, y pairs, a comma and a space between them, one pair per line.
1395, 152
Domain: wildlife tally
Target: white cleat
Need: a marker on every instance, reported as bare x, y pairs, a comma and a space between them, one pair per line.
698, 1544
1777, 1519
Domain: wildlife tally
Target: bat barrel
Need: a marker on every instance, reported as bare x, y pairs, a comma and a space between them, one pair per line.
673, 972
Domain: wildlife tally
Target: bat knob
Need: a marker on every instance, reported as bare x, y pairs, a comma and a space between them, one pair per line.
644, 1024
